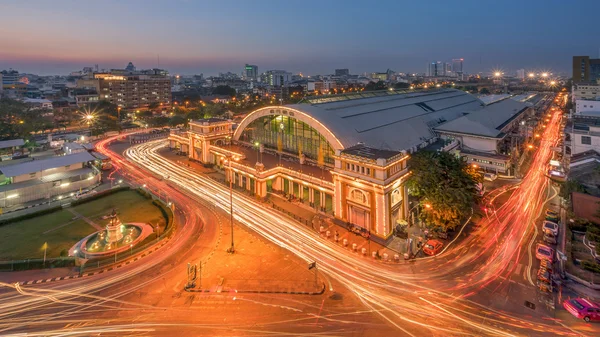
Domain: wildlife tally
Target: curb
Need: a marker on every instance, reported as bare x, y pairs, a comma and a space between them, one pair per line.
123, 263
320, 292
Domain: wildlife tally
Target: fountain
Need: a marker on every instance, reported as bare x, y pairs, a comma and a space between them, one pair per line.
114, 231
116, 237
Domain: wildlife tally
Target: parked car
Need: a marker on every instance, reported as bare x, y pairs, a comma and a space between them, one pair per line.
552, 215
550, 227
543, 252
583, 308
544, 275
549, 239
546, 265
432, 247
490, 176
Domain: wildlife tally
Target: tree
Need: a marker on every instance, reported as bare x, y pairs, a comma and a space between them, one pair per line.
484, 91
371, 86
570, 186
178, 120
153, 105
158, 121
224, 90
401, 85
446, 184
105, 117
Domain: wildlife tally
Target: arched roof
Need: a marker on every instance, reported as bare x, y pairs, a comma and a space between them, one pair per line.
394, 120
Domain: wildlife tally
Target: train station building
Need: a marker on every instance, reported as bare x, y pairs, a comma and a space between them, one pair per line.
344, 155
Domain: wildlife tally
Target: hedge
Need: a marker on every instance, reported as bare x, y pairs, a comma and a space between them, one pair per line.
590, 266
19, 265
30, 215
99, 195
162, 210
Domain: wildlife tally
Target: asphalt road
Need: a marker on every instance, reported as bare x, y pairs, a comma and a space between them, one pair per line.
476, 288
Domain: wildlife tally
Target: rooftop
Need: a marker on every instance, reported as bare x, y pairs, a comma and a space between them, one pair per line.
392, 120
45, 164
4, 144
486, 122
370, 153
211, 120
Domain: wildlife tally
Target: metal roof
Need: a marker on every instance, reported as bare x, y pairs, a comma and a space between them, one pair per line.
45, 164
11, 143
389, 120
486, 122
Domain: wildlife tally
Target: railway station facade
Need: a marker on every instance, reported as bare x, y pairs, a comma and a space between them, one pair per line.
343, 155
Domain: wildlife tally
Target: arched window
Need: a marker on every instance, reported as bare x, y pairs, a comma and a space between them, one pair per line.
359, 197
396, 196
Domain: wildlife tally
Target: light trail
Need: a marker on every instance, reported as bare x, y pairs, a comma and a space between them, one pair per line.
382, 285
428, 295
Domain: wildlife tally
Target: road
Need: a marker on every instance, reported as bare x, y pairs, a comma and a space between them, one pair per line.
437, 294
457, 293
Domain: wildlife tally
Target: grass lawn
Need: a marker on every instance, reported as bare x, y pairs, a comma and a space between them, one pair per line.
24, 239
130, 207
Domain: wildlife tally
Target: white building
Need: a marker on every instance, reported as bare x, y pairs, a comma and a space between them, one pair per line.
585, 91
480, 135
38, 103
582, 134
587, 107
46, 178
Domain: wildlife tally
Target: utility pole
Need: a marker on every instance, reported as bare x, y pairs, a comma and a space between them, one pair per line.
231, 249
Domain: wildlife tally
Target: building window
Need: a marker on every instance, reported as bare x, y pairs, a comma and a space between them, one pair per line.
358, 196
586, 140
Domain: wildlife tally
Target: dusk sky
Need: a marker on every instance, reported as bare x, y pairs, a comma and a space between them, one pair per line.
312, 37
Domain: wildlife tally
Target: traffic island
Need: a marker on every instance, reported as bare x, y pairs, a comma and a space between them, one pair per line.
257, 266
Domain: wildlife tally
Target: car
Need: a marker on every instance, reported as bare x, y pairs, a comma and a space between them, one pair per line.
544, 275
544, 264
583, 308
432, 247
550, 227
490, 176
543, 252
549, 239
552, 215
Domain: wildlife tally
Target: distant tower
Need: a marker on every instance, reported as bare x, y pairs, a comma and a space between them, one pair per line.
130, 67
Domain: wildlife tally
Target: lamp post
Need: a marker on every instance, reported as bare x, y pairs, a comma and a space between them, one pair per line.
231, 249
257, 145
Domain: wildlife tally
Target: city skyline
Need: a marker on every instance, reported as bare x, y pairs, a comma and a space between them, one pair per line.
192, 38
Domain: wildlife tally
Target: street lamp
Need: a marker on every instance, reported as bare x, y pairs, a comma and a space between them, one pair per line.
531, 75
231, 249
544, 74
257, 145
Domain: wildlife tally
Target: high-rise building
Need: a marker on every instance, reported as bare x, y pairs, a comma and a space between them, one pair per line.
278, 77
130, 89
342, 72
251, 72
438, 69
521, 74
457, 65
585, 69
